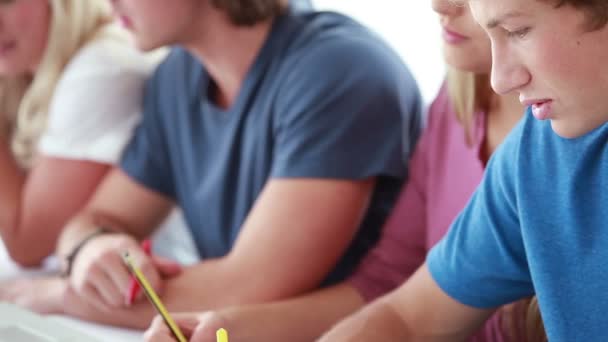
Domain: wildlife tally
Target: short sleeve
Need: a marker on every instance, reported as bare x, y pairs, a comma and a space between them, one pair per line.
96, 104
481, 262
402, 246
342, 112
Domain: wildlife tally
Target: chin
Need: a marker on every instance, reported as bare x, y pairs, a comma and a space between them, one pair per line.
146, 45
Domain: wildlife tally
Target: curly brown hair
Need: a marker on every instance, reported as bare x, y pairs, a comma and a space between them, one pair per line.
250, 12
596, 11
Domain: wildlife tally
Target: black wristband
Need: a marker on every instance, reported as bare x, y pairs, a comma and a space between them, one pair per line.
69, 260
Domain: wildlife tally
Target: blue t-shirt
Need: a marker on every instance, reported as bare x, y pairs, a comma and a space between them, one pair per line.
325, 98
538, 224
301, 5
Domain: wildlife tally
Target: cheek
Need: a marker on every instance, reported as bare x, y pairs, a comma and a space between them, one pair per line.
30, 27
554, 62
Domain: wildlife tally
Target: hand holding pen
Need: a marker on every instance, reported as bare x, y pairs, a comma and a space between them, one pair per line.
165, 267
100, 278
196, 327
134, 288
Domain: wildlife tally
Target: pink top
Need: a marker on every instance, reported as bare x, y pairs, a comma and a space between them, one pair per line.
444, 172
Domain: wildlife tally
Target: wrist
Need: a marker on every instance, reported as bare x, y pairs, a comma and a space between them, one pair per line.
69, 259
58, 292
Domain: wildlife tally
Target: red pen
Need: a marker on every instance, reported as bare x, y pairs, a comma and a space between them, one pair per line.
134, 288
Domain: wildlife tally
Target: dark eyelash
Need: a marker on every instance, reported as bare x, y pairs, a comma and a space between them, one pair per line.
518, 33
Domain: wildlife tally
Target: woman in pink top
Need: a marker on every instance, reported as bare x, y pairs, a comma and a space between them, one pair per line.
465, 124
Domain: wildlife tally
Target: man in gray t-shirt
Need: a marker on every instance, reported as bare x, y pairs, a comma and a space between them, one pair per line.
280, 137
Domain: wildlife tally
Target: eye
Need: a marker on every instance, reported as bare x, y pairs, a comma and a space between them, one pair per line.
521, 33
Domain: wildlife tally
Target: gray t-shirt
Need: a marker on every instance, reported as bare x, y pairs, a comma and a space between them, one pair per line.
325, 98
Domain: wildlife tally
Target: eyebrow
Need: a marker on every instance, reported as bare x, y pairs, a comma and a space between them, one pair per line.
497, 21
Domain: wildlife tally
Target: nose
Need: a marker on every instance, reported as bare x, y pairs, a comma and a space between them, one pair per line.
508, 73
449, 7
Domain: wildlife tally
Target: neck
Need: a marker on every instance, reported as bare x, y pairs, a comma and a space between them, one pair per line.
504, 112
227, 51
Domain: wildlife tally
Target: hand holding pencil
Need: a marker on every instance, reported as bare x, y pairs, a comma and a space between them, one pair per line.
164, 267
196, 327
100, 278
134, 288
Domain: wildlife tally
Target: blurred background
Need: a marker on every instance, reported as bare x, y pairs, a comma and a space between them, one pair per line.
410, 26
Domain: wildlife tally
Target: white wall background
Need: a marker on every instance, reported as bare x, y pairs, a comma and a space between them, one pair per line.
410, 26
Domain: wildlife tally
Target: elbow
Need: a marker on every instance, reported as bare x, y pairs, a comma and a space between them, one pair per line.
27, 244
24, 257
25, 250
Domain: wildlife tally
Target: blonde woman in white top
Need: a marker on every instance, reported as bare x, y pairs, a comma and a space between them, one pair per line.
70, 91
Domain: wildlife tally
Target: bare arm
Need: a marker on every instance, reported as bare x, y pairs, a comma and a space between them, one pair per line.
121, 204
303, 318
35, 207
417, 311
293, 237
133, 212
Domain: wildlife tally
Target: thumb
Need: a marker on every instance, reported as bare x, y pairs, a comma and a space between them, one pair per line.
209, 323
167, 268
186, 322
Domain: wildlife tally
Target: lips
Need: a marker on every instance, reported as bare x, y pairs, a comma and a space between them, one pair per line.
541, 108
125, 21
452, 36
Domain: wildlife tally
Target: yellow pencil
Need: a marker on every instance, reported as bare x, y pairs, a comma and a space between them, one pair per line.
153, 297
221, 335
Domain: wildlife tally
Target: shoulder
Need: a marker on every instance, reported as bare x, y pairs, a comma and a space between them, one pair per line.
104, 79
108, 64
441, 109
330, 46
110, 52
333, 59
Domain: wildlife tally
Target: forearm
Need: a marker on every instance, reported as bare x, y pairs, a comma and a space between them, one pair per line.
303, 318
389, 319
195, 289
89, 221
210, 286
203, 288
192, 290
54, 191
12, 180
223, 282
120, 205
376, 322
138, 316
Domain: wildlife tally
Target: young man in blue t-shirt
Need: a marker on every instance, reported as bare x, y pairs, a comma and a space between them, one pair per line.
280, 135
538, 224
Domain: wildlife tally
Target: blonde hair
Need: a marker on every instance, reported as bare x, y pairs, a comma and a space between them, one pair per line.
25, 100
469, 93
